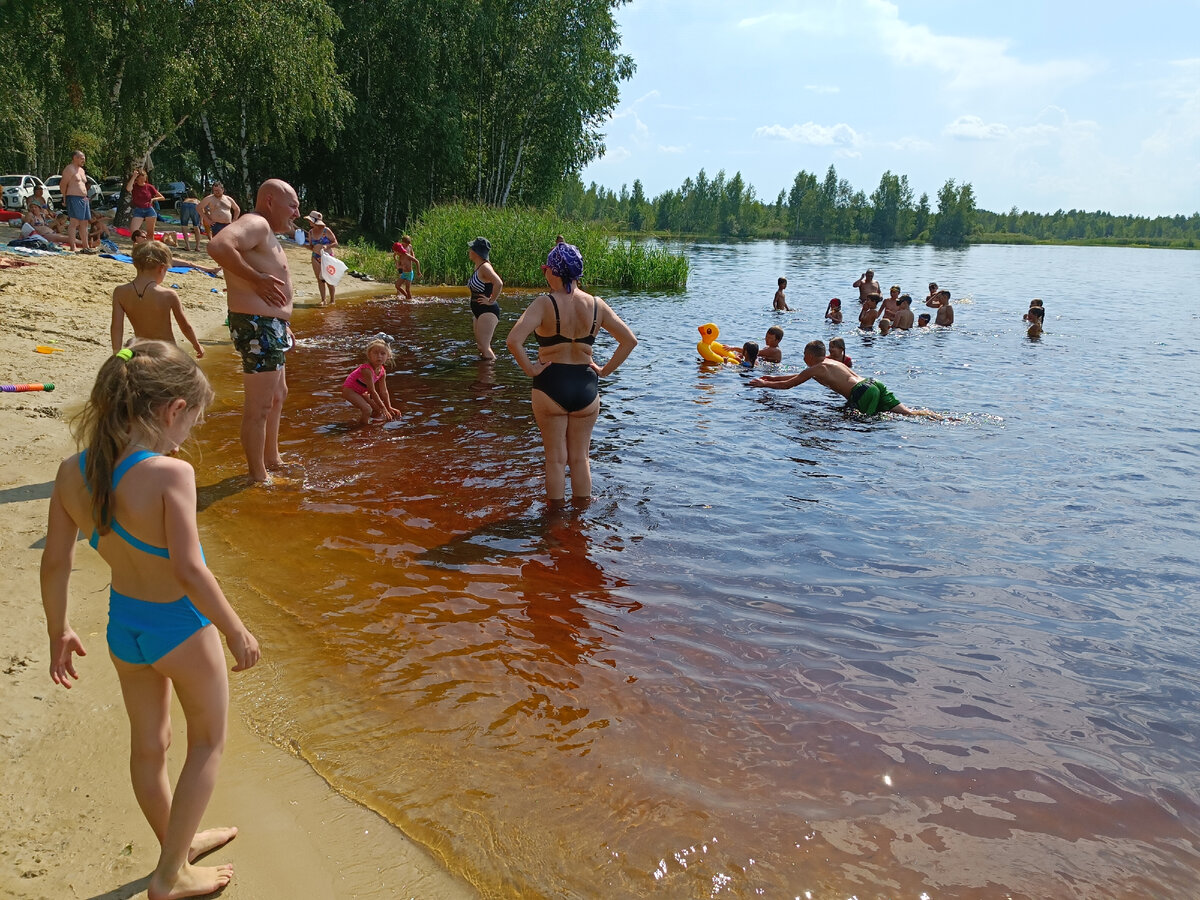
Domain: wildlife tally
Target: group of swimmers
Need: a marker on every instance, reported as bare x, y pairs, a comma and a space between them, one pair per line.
891, 312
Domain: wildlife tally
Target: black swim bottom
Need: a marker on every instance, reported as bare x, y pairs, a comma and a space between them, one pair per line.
571, 386
479, 309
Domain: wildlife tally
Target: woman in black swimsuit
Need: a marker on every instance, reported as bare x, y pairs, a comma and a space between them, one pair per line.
565, 393
485, 286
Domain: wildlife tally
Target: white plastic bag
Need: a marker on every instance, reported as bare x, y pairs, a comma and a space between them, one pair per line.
300, 237
332, 269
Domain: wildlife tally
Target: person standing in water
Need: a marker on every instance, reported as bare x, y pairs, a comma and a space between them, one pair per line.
566, 394
485, 287
259, 294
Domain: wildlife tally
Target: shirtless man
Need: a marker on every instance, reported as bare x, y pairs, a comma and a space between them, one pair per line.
891, 303
870, 312
866, 395
259, 293
74, 188
867, 285
904, 314
945, 312
218, 210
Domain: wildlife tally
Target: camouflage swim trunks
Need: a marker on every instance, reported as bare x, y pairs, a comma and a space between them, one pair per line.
262, 341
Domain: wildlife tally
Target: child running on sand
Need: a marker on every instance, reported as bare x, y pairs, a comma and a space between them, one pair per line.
147, 303
366, 387
163, 603
866, 395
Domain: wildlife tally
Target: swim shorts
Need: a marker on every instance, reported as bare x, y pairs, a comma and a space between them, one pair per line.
262, 341
480, 309
870, 397
79, 207
189, 215
144, 212
217, 226
407, 276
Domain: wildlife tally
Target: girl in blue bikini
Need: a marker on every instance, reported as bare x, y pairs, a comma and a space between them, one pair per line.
166, 610
566, 395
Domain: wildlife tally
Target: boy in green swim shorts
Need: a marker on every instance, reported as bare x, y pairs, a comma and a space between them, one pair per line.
866, 395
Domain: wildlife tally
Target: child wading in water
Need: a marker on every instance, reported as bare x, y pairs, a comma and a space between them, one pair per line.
366, 387
139, 506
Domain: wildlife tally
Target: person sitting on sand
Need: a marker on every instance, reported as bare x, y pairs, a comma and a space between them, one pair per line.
904, 314
833, 312
837, 352
140, 237
866, 395
945, 312
37, 220
780, 302
147, 303
870, 312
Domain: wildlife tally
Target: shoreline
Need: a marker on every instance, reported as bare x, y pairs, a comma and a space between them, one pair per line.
69, 824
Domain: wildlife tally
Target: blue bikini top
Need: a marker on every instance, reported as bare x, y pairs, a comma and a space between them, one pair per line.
124, 466
559, 338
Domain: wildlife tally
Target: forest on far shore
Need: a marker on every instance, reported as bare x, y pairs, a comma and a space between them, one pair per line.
831, 210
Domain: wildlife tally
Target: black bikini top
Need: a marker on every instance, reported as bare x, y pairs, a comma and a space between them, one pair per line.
559, 338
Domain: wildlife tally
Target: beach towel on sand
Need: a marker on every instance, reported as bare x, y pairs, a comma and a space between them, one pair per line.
178, 270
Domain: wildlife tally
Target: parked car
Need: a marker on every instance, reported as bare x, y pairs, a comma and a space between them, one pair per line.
54, 191
174, 191
110, 190
17, 189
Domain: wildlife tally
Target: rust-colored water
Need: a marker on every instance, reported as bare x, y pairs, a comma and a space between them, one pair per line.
784, 651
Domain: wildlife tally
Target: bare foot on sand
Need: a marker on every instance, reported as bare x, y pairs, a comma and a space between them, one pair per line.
207, 841
190, 881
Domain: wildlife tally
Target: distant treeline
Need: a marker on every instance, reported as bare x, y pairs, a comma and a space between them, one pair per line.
374, 110
830, 210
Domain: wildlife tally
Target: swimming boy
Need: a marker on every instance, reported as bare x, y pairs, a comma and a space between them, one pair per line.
870, 312
771, 352
259, 295
866, 395
904, 314
945, 312
923, 320
147, 303
780, 302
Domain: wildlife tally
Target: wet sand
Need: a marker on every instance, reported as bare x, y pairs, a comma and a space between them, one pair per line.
69, 825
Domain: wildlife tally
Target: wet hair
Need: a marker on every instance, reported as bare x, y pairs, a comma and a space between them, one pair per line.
378, 342
885, 325
923, 317
749, 353
150, 255
933, 287
839, 344
128, 393
782, 282
1035, 302
894, 288
815, 348
904, 298
944, 292
566, 262
776, 331
875, 298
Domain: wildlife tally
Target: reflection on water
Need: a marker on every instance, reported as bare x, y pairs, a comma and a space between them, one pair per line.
787, 648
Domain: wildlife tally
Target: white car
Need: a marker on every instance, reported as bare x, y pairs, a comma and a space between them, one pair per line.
17, 189
54, 194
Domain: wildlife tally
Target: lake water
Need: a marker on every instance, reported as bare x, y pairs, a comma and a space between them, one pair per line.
787, 651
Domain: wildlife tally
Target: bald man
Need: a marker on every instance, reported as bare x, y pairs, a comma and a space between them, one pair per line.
259, 293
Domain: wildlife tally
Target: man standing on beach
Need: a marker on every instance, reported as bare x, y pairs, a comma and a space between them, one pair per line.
74, 188
218, 210
259, 294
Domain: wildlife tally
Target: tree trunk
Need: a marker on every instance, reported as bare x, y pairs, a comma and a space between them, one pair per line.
212, 150
516, 167
245, 156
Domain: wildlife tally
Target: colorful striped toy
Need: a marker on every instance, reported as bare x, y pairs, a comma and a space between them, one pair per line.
20, 388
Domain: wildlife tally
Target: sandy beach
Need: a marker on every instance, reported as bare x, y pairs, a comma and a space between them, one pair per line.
69, 825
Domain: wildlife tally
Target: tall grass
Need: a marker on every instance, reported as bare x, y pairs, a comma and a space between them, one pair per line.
520, 239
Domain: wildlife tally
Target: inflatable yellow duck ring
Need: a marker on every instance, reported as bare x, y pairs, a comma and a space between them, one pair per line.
710, 350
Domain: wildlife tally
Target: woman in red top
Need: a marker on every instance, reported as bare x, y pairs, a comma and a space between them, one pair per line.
142, 195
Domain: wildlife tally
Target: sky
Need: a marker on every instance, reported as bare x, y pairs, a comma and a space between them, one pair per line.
1040, 105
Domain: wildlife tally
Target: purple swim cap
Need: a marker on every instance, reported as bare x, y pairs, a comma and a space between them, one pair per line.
566, 262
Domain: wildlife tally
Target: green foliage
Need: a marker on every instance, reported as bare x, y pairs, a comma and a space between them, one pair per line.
521, 238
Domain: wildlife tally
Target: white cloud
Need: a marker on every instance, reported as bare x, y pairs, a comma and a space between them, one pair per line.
910, 144
666, 149
973, 128
615, 155
840, 135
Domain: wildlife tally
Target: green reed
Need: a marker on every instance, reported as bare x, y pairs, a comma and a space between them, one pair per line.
520, 239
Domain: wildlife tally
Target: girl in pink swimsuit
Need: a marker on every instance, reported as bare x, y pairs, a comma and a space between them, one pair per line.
366, 387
